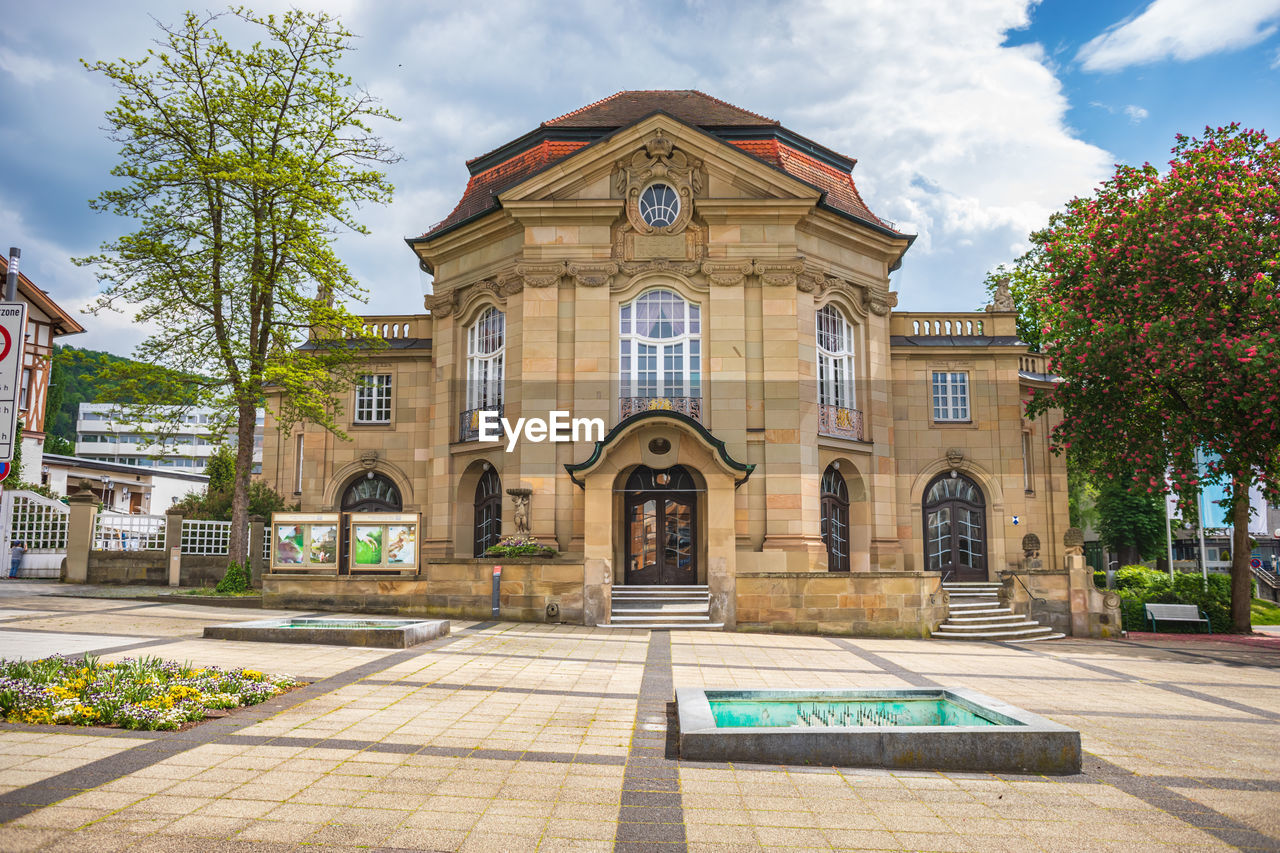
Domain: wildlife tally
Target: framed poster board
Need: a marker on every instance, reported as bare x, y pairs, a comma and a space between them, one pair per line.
305, 542
384, 541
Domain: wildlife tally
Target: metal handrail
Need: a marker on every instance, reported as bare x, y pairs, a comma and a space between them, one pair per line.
1030, 594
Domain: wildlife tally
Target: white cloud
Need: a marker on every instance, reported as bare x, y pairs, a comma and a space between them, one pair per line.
1181, 30
26, 69
1136, 113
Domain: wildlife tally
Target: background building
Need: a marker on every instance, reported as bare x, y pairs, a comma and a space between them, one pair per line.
121, 488
104, 435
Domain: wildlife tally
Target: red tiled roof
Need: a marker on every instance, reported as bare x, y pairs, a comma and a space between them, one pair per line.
688, 105
483, 188
624, 108
841, 192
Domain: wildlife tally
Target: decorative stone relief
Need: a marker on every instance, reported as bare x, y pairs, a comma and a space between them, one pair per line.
779, 273
520, 501
440, 304
369, 459
1031, 546
1073, 539
658, 265
659, 160
594, 273
1003, 300
879, 303
955, 457
726, 273
541, 274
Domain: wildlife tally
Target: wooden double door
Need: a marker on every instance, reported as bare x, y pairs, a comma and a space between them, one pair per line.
661, 518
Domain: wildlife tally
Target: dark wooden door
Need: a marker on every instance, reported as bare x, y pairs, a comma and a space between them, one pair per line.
955, 529
661, 539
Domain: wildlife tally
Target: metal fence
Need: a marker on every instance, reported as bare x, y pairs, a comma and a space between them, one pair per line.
121, 532
212, 538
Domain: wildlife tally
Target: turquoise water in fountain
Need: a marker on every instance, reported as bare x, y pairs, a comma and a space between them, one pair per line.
754, 713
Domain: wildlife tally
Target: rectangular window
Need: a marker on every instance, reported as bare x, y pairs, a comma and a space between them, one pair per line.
25, 395
950, 396
1027, 484
297, 486
373, 399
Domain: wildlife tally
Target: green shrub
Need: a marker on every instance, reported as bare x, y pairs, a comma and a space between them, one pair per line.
519, 546
237, 579
1138, 586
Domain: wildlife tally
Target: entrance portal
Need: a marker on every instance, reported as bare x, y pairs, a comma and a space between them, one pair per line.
661, 527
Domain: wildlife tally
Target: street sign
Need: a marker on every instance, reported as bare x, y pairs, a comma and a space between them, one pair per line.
1255, 563
4, 470
13, 330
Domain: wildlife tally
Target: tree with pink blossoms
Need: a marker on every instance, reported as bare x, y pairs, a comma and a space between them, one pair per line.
1160, 306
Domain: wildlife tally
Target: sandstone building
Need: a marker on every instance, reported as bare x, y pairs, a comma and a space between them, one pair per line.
712, 286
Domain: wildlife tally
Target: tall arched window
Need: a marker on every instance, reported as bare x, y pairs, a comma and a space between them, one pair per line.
488, 512
955, 528
660, 358
835, 519
486, 347
371, 493
838, 414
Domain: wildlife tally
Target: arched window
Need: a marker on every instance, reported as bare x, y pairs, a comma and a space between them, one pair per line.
486, 348
660, 361
371, 492
835, 519
955, 528
835, 359
488, 512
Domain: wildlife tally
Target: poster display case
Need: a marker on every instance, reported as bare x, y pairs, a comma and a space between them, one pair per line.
305, 542
383, 541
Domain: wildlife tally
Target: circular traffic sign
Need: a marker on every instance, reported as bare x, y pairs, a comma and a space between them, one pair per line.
1255, 563
6, 345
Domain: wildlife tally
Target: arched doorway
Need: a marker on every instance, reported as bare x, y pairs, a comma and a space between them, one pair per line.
955, 528
835, 519
488, 512
660, 513
371, 492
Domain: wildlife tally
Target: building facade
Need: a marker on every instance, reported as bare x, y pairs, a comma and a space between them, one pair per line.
710, 287
106, 434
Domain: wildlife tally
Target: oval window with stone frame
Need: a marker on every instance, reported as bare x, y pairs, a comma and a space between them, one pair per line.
659, 205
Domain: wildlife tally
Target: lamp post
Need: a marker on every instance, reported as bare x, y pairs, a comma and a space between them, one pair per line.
106, 484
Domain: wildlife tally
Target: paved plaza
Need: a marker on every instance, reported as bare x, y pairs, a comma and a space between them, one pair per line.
520, 737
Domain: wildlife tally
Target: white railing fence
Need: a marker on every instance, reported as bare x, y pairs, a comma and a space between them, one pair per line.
211, 538
39, 523
120, 532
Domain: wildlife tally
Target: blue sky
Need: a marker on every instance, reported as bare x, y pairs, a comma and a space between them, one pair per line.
971, 121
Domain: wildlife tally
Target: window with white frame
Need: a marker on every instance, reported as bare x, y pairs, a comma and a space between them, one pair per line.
660, 346
373, 399
835, 359
1028, 484
486, 348
950, 396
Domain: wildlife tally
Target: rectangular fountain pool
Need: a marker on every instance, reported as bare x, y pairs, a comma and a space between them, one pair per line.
938, 729
376, 633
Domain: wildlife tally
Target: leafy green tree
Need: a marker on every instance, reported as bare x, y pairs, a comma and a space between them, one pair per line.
1130, 522
1160, 314
240, 167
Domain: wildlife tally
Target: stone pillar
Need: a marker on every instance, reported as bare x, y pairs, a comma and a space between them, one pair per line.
257, 532
597, 576
173, 537
81, 519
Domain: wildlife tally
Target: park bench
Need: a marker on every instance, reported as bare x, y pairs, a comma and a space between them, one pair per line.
1176, 613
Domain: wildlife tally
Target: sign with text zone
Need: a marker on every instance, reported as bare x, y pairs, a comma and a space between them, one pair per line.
13, 326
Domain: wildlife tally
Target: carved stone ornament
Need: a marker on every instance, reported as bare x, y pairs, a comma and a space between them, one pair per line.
659, 160
520, 500
440, 304
541, 274
369, 459
1003, 300
594, 273
1073, 539
659, 265
879, 303
726, 273
779, 273
1031, 546
955, 457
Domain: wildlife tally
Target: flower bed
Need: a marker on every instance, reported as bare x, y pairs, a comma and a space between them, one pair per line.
520, 545
148, 694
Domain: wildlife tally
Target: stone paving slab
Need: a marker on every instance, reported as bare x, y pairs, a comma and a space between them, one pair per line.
511, 737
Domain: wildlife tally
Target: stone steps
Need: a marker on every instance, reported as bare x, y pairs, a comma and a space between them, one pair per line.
974, 613
683, 608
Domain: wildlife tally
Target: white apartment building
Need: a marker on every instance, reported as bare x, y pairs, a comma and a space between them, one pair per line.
104, 434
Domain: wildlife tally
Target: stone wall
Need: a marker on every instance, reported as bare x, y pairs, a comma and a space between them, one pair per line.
461, 589
152, 568
1069, 601
863, 604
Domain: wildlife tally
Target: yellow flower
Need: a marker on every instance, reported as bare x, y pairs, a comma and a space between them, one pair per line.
253, 674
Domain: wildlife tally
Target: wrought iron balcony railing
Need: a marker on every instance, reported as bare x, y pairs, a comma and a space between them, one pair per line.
469, 422
840, 422
688, 406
